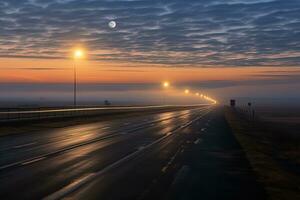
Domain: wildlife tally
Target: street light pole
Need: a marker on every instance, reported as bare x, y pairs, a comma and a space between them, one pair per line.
75, 85
165, 85
77, 55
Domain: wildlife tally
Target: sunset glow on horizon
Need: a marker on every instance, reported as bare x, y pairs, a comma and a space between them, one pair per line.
222, 53
48, 71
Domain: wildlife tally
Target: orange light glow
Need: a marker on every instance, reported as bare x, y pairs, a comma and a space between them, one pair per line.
166, 84
60, 71
78, 53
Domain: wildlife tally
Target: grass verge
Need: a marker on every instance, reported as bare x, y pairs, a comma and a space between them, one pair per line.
279, 183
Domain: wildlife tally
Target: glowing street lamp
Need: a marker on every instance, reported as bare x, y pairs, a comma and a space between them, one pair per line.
197, 94
78, 54
186, 91
166, 84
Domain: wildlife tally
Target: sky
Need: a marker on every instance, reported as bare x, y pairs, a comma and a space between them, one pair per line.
228, 48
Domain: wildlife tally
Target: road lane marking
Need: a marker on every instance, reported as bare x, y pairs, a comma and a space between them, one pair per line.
7, 166
33, 161
37, 158
164, 169
106, 127
140, 148
47, 155
24, 145
181, 174
76, 185
73, 186
169, 133
197, 141
80, 144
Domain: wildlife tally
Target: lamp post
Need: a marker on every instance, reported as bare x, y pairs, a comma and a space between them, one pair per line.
77, 55
166, 85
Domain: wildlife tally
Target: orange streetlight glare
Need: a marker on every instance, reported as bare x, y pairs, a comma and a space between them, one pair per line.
166, 84
186, 91
78, 53
197, 94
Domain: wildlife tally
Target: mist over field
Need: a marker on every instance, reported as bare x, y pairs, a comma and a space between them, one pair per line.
39, 94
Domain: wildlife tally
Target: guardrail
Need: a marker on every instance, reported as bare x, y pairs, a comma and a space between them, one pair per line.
8, 116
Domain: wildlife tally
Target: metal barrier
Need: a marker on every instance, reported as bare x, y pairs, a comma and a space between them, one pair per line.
6, 116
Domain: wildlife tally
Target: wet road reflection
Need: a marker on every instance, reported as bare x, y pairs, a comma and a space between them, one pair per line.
54, 171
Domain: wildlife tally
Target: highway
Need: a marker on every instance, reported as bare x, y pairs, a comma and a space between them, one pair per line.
116, 159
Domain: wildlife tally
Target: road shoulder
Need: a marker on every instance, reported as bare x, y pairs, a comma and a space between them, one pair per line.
215, 166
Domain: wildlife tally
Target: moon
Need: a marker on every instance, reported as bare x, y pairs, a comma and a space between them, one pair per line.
112, 24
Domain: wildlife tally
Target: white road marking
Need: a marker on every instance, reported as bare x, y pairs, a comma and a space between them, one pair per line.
197, 141
140, 148
181, 174
41, 157
106, 127
169, 133
6, 166
32, 161
24, 145
164, 169
75, 185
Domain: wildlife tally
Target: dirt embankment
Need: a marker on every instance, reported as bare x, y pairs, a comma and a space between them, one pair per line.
273, 154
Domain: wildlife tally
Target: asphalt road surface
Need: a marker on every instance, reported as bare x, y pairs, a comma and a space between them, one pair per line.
187, 154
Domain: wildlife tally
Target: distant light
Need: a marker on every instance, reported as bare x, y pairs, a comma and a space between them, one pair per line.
186, 91
78, 53
201, 95
166, 84
197, 94
112, 24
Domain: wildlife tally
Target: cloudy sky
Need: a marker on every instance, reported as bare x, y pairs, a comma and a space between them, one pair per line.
204, 44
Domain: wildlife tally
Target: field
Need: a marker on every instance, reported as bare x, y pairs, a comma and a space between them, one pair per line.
272, 144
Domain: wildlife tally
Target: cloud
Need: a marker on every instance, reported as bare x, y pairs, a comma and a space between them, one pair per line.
198, 33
